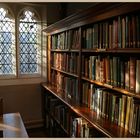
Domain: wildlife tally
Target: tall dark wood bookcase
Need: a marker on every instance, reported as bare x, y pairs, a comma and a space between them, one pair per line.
93, 71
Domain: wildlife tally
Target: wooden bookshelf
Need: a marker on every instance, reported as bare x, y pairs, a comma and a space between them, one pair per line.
106, 40
103, 125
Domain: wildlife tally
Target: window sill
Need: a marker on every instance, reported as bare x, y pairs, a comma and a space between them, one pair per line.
21, 81
29, 76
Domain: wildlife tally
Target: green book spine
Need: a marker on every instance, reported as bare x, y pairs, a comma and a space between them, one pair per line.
119, 33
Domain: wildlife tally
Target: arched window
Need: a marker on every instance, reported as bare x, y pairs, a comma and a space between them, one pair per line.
7, 43
29, 43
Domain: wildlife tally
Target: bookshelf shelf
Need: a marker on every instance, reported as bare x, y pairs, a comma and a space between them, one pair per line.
70, 103
124, 50
115, 50
120, 90
101, 43
64, 72
65, 51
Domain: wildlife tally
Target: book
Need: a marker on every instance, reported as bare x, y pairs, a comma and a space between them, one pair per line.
128, 112
123, 111
132, 74
127, 76
137, 77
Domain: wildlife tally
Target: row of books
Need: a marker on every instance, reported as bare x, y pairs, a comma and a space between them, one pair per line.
65, 40
76, 126
80, 128
66, 62
119, 109
119, 32
58, 110
65, 84
53, 128
115, 71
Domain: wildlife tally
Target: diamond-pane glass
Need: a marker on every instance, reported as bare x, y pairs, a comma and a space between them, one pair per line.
28, 40
7, 44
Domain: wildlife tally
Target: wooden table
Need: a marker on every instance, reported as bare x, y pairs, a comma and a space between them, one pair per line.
12, 126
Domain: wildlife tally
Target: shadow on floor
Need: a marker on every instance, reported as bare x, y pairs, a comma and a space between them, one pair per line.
37, 133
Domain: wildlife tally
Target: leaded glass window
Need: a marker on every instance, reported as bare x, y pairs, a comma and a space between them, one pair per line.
29, 49
7, 43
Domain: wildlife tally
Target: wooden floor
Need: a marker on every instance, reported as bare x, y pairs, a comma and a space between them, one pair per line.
37, 133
